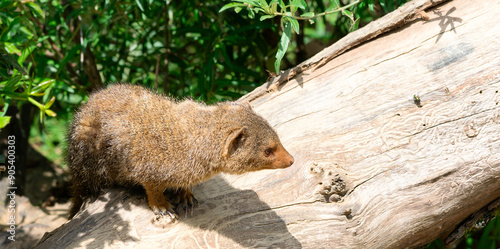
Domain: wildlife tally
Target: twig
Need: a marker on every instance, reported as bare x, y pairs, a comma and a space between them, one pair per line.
320, 14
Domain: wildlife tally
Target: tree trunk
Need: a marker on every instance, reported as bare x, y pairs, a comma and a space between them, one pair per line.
395, 131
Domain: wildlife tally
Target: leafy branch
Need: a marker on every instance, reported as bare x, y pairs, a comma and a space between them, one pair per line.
289, 17
18, 41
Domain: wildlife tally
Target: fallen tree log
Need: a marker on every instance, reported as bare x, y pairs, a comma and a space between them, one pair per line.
396, 142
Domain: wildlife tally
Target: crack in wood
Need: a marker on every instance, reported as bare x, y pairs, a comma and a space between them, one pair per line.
385, 60
367, 180
295, 118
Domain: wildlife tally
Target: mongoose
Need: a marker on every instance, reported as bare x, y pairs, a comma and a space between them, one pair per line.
126, 135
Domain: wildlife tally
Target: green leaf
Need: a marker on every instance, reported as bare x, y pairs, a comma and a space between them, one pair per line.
25, 53
295, 24
257, 9
139, 4
36, 10
42, 86
50, 113
64, 87
347, 13
11, 61
355, 25
273, 6
11, 84
11, 48
307, 15
4, 121
384, 6
15, 96
251, 14
283, 45
252, 2
13, 24
371, 6
335, 3
231, 5
50, 103
265, 7
264, 17
282, 4
37, 94
42, 116
302, 4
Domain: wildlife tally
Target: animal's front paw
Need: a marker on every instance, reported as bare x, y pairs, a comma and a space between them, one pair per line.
158, 204
164, 208
164, 214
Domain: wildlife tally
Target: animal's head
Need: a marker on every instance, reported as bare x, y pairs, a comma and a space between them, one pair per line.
251, 143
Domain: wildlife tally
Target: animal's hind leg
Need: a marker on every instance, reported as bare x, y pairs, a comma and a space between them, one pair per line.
186, 199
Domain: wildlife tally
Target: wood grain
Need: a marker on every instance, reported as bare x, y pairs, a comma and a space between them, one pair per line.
372, 168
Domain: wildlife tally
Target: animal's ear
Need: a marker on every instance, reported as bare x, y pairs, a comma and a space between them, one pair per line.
232, 142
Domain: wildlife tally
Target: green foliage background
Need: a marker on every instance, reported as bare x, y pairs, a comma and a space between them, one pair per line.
53, 53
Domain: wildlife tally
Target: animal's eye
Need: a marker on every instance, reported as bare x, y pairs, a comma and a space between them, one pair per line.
267, 152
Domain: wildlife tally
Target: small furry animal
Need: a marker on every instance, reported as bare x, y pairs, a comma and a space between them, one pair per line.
126, 135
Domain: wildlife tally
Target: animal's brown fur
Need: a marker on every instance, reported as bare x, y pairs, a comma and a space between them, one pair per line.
127, 135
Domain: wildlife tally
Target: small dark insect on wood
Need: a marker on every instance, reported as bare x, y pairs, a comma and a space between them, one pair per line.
416, 100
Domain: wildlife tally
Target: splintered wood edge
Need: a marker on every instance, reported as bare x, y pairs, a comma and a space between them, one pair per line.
486, 214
